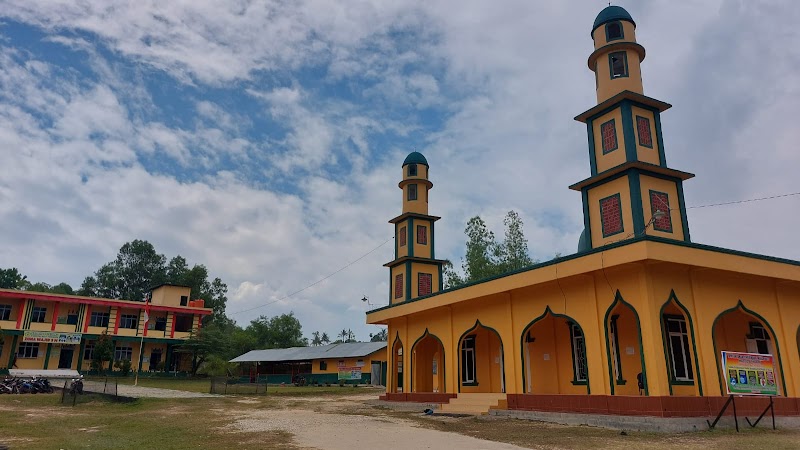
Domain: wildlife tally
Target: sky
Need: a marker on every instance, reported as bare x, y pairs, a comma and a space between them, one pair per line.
264, 139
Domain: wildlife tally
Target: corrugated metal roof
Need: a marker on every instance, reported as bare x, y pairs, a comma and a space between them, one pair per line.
347, 350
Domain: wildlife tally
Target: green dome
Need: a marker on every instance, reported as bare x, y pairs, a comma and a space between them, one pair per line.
610, 14
415, 158
583, 242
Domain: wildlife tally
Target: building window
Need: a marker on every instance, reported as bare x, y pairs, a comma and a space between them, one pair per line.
38, 314
618, 64
128, 321
403, 236
184, 300
614, 31
72, 319
398, 285
608, 131
88, 352
468, 360
161, 324
412, 170
98, 319
183, 322
760, 338
412, 191
643, 128
615, 357
28, 350
425, 283
611, 215
422, 235
121, 353
323, 365
678, 340
659, 201
5, 312
578, 353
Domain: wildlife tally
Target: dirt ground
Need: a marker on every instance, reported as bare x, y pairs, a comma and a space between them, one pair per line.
318, 422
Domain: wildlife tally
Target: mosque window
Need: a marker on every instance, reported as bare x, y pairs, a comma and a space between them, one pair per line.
412, 170
422, 235
758, 340
659, 201
468, 360
398, 285
578, 353
618, 63
678, 342
643, 129
614, 31
402, 236
412, 192
611, 215
425, 283
608, 131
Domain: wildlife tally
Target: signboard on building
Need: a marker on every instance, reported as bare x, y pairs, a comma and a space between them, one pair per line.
749, 373
349, 373
52, 337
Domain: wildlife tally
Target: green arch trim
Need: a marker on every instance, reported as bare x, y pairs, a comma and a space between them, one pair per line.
547, 311
394, 359
411, 366
502, 352
758, 316
674, 299
618, 300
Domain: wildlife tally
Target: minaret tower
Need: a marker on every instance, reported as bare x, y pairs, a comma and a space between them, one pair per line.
631, 192
414, 272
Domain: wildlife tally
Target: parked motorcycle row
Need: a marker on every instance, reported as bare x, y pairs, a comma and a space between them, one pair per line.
35, 385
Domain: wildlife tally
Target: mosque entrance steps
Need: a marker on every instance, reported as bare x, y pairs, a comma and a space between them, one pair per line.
478, 403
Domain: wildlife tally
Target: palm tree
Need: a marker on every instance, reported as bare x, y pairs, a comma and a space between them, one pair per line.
343, 335
351, 337
315, 341
325, 339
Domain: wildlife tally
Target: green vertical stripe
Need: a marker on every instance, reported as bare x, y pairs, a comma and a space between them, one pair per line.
408, 280
627, 131
47, 355
592, 152
411, 240
13, 351
636, 202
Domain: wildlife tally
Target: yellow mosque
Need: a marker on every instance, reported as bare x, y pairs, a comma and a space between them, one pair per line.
634, 323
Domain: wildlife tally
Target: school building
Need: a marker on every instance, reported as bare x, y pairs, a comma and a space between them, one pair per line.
353, 362
53, 331
634, 323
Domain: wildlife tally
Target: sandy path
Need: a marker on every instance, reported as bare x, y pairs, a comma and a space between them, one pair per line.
323, 428
126, 390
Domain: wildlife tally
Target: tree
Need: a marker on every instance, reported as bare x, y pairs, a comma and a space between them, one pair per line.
11, 278
514, 251
209, 342
481, 258
282, 331
325, 339
103, 351
196, 277
316, 341
381, 336
62, 288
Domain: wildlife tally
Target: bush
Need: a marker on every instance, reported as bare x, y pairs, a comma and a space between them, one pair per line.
124, 366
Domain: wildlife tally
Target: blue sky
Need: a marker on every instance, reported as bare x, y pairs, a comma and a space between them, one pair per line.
264, 139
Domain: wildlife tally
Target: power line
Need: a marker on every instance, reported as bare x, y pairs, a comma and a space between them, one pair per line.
316, 282
743, 201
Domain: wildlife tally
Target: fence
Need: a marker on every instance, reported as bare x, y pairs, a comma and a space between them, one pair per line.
226, 386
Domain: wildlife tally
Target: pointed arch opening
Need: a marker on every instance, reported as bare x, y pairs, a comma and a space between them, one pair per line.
481, 364
739, 329
626, 369
554, 356
397, 365
427, 364
680, 350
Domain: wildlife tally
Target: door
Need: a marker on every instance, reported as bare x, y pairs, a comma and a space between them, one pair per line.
375, 377
65, 359
155, 359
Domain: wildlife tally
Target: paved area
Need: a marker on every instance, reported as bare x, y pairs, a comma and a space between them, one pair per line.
149, 392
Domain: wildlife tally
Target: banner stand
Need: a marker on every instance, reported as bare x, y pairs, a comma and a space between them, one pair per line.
735, 418
770, 408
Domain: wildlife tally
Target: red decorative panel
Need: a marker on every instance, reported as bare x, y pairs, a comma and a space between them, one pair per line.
611, 215
425, 283
643, 127
398, 285
660, 201
609, 134
422, 235
402, 236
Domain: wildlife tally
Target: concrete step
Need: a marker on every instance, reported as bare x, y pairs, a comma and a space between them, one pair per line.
479, 403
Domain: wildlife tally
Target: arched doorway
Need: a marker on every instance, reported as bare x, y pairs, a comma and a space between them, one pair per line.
626, 369
481, 364
554, 356
677, 333
427, 364
741, 330
397, 365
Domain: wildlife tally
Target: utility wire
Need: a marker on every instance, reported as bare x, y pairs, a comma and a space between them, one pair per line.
316, 282
743, 201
